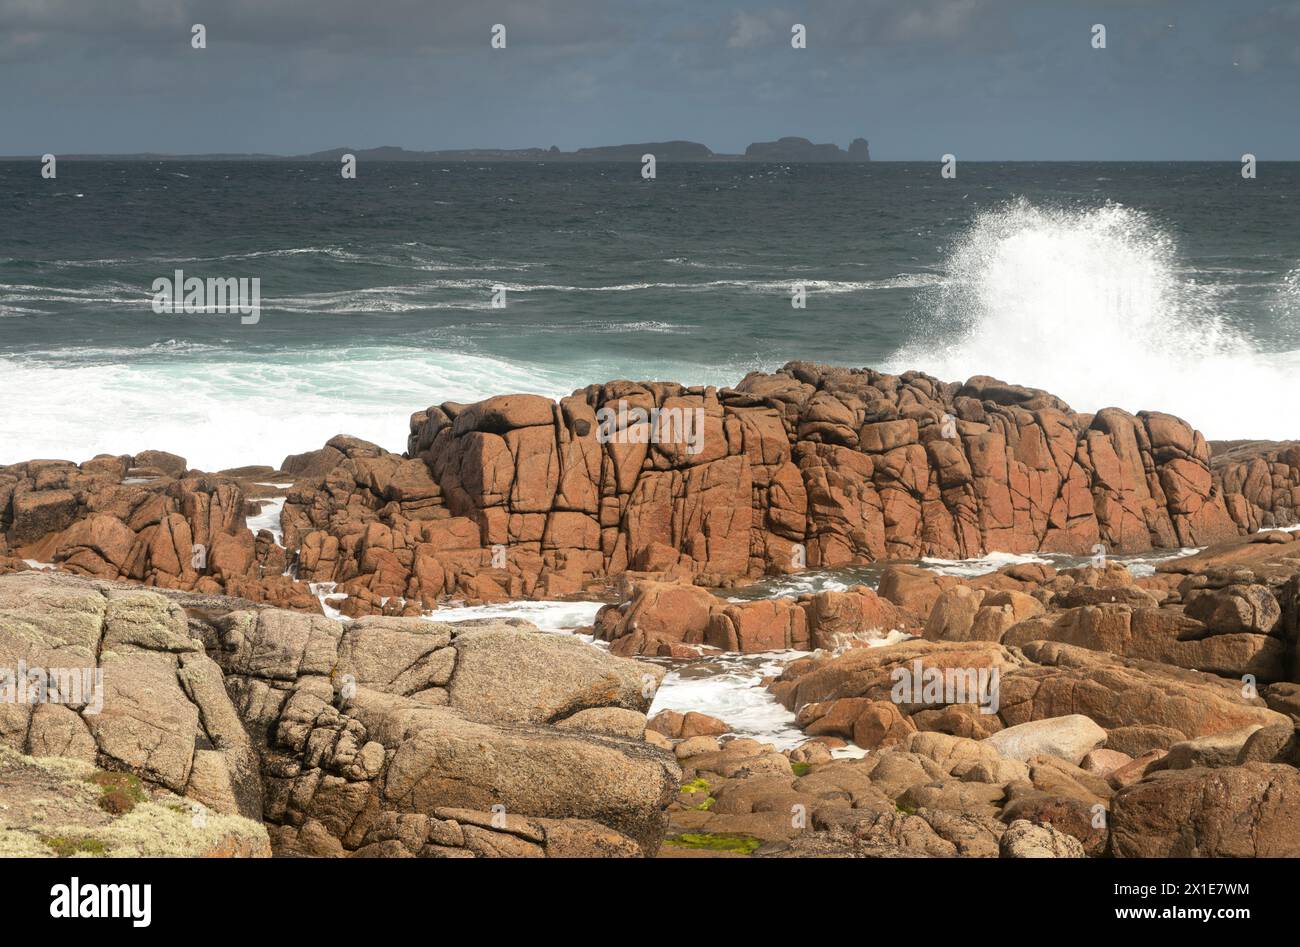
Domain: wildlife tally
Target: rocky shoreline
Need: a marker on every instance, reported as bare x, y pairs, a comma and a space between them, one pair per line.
283, 684
521, 497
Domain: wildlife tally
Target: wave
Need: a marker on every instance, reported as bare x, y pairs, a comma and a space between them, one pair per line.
77, 356
415, 297
547, 616
1094, 306
903, 281
730, 687
403, 257
224, 411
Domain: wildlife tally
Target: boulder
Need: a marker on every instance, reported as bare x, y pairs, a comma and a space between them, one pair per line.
913, 588
1142, 705
171, 465
1070, 737
1025, 839
1103, 762
505, 674
1219, 749
1235, 608
1249, 811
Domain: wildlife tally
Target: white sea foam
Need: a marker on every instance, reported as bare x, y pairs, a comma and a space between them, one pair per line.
1145, 564
268, 517
968, 568
546, 615
804, 583
728, 687
725, 686
222, 412
325, 594
1094, 306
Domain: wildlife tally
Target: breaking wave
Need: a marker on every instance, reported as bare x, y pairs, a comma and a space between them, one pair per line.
1094, 306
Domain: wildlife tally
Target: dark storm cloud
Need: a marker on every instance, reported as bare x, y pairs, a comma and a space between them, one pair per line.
978, 78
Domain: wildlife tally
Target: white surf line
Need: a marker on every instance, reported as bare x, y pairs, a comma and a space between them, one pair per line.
324, 592
268, 517
980, 565
552, 616
725, 686
728, 685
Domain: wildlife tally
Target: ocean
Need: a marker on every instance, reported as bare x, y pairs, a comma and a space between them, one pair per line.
1147, 286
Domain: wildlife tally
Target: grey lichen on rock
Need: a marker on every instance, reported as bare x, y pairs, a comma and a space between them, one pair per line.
52, 807
342, 737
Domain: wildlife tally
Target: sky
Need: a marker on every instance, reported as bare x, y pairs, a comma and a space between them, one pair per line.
980, 79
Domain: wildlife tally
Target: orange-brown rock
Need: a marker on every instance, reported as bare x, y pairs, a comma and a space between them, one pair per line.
657, 617
1142, 705
811, 466
1250, 811
146, 519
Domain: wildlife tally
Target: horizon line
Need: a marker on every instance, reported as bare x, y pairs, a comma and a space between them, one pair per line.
452, 156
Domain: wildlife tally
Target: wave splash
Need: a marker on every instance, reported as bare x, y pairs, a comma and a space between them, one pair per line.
1093, 306
219, 411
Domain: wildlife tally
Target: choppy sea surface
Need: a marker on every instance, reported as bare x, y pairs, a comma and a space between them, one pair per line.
1164, 286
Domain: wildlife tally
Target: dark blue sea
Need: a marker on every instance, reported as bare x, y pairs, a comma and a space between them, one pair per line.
1164, 286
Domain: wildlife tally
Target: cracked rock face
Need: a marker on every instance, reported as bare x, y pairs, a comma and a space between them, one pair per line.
519, 497
386, 737
152, 702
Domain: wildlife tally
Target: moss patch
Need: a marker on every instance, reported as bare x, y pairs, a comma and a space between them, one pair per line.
715, 842
801, 769
66, 846
122, 792
696, 785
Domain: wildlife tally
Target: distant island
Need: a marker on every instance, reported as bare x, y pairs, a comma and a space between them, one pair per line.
790, 148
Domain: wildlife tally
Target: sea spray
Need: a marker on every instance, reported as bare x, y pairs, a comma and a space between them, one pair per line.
1094, 306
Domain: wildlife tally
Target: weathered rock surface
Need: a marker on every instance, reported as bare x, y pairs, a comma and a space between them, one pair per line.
137, 692
59, 807
1071, 738
518, 496
1025, 839
1237, 812
1130, 706
387, 736
810, 465
676, 620
146, 519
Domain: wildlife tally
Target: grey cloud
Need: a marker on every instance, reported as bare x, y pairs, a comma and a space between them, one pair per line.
397, 25
999, 78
